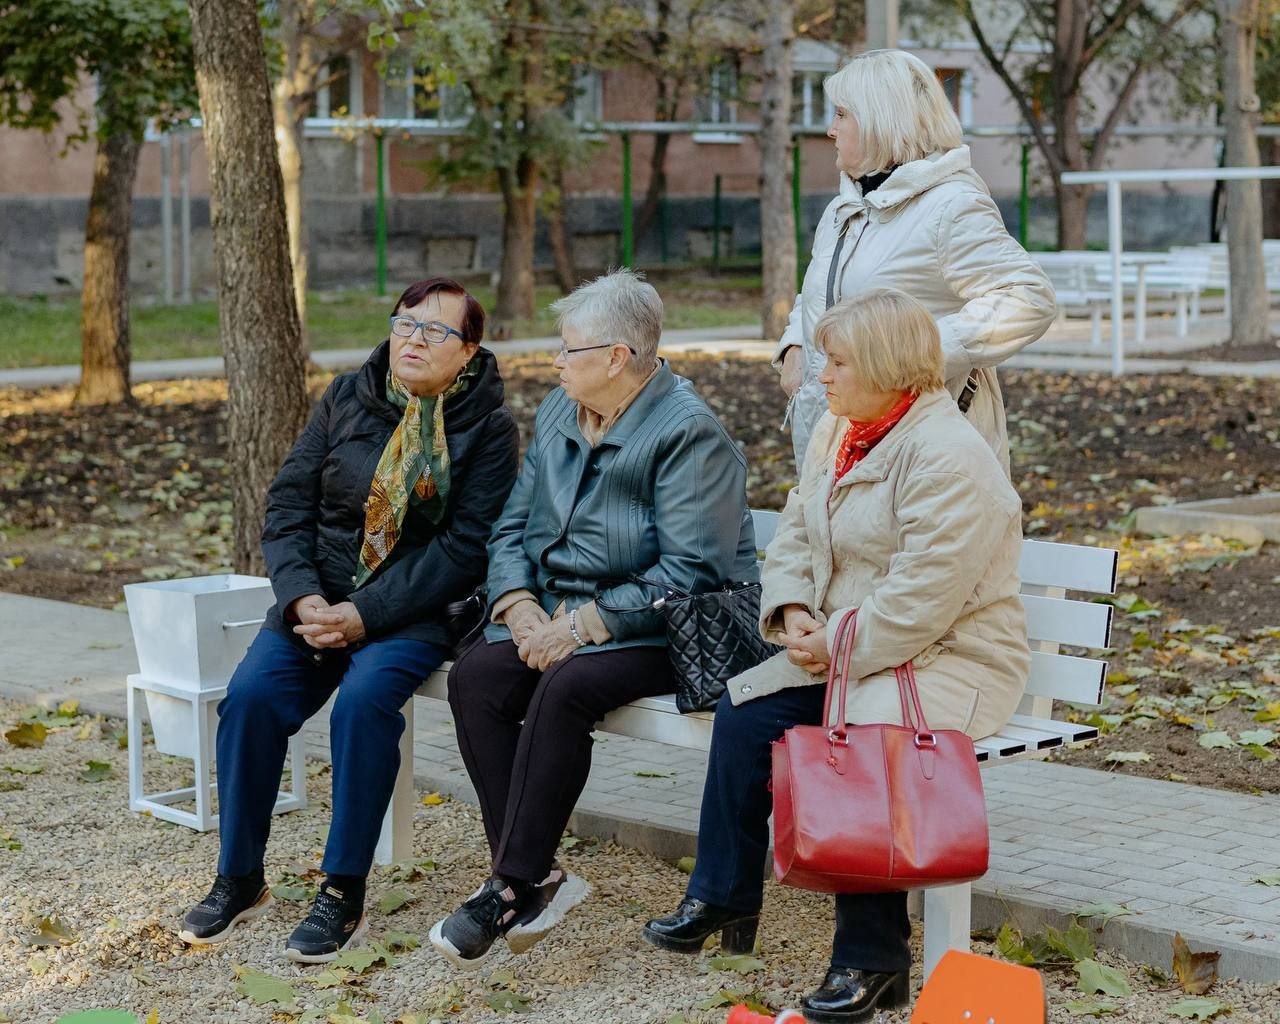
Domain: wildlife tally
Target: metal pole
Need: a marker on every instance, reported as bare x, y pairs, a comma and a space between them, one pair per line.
1024, 199
380, 218
715, 227
1116, 244
795, 209
166, 217
184, 209
628, 241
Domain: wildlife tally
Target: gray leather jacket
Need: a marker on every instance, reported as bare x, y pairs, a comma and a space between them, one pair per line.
662, 496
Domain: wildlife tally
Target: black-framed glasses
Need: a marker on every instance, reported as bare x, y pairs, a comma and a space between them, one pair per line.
566, 352
433, 331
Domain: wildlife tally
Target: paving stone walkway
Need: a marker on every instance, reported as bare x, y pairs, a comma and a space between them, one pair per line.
1180, 858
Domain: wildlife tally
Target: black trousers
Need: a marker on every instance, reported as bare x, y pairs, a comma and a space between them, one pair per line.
873, 932
525, 737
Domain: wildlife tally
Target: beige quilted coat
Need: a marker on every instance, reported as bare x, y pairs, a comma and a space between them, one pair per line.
932, 231
923, 538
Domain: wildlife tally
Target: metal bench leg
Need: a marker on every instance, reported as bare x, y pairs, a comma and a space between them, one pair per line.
1095, 323
946, 922
1181, 315
395, 842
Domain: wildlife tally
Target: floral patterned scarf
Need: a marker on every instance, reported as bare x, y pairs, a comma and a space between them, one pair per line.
414, 468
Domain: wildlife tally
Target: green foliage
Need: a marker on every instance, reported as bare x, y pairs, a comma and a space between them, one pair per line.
138, 50
1198, 1009
1096, 977
265, 989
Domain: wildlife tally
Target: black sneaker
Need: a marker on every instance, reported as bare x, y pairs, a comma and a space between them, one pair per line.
555, 896
336, 922
465, 936
230, 901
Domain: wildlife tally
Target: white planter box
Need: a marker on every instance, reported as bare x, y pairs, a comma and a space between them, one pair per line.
174, 727
193, 632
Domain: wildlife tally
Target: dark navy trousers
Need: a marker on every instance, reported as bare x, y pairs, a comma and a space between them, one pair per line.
873, 932
275, 689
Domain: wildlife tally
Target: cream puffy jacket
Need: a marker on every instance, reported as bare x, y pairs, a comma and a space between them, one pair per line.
923, 538
932, 231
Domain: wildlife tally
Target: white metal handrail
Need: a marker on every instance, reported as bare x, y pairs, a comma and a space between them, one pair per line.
1115, 240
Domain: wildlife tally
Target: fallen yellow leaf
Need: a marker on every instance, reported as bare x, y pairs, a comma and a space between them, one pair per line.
433, 799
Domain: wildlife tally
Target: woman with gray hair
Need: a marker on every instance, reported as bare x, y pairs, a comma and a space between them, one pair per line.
912, 214
630, 481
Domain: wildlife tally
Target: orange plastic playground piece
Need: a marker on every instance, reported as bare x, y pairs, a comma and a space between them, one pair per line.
969, 989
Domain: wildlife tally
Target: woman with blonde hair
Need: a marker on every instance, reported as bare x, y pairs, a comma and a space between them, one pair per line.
912, 214
904, 515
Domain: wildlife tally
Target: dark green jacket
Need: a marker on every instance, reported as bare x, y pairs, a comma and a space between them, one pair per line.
662, 496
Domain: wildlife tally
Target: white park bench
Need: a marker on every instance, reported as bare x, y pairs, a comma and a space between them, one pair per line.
1053, 621
1075, 286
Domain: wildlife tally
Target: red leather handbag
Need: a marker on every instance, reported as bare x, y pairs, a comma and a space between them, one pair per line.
876, 808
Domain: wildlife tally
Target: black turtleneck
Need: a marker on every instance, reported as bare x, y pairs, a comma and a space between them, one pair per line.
871, 182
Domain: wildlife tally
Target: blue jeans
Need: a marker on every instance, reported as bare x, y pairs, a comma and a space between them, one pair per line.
873, 932
275, 689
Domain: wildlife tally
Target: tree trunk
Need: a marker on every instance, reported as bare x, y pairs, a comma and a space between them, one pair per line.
291, 97
1073, 215
1271, 193
560, 237
777, 219
1238, 37
104, 299
258, 321
289, 142
515, 275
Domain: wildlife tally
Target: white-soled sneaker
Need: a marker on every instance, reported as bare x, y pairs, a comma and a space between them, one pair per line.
557, 894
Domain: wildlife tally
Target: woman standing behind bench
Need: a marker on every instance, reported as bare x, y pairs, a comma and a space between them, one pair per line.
912, 214
903, 515
628, 474
376, 522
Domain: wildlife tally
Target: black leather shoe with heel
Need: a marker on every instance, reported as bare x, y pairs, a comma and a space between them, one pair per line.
694, 922
849, 995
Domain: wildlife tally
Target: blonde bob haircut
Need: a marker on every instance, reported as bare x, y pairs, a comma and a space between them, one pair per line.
899, 106
889, 340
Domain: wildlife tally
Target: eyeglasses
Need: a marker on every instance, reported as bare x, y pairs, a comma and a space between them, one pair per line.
566, 352
433, 331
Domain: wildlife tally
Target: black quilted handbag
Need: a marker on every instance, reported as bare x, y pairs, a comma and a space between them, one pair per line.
710, 639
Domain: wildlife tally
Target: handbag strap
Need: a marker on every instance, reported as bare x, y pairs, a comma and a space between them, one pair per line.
834, 268
838, 679
838, 672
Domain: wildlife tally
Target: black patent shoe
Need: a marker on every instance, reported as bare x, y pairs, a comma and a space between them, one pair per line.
848, 995
695, 921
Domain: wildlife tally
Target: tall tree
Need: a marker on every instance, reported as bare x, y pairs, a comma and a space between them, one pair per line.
257, 318
139, 52
777, 218
310, 35
1238, 35
1049, 53
518, 61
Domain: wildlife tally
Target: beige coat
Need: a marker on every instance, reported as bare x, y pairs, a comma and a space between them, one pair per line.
923, 539
933, 231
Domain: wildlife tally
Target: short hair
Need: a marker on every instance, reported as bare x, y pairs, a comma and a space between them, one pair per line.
900, 108
890, 340
618, 307
472, 311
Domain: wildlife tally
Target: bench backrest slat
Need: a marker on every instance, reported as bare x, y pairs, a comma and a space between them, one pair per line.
1063, 677
1073, 566
1078, 623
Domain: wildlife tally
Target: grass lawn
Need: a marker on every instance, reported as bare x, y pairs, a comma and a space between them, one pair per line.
46, 332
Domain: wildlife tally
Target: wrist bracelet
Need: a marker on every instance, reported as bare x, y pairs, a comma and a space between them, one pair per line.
573, 628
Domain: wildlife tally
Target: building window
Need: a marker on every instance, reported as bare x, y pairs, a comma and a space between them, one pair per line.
718, 103
958, 85
334, 97
416, 94
810, 107
587, 104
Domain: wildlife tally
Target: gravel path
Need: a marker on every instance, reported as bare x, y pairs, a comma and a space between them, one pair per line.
120, 882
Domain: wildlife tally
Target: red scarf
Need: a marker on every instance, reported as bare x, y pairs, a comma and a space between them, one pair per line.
863, 435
